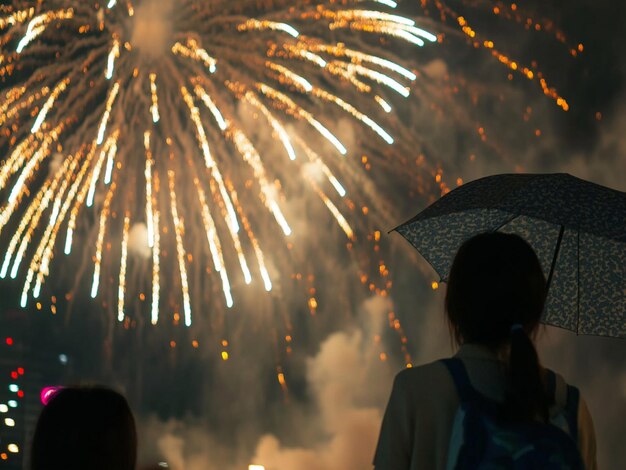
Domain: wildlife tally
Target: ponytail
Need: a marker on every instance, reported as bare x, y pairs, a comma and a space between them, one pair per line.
526, 398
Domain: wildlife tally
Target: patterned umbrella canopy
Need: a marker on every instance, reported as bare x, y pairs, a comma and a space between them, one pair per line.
577, 228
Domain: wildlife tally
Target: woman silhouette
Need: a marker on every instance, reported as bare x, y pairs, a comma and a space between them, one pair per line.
494, 301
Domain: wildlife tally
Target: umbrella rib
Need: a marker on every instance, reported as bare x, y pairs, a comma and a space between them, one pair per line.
554, 258
506, 222
578, 283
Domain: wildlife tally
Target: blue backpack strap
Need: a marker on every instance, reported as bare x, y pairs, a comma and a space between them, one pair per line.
571, 403
571, 411
461, 379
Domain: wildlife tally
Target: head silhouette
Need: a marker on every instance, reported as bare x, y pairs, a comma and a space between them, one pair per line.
495, 282
495, 297
85, 428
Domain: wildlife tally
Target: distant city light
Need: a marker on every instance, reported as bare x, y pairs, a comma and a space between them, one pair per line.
47, 393
9, 422
3, 408
13, 388
63, 359
12, 403
13, 448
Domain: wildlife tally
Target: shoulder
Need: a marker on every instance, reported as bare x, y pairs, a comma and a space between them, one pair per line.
432, 379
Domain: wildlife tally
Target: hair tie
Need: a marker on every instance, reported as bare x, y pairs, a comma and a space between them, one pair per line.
515, 327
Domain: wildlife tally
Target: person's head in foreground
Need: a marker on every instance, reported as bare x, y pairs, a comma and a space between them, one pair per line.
495, 297
85, 428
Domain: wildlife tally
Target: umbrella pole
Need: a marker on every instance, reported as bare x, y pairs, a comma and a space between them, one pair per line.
554, 258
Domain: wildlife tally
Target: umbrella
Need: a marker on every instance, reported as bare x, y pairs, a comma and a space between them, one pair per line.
577, 228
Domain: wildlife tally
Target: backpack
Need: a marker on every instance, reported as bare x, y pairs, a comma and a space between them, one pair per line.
482, 440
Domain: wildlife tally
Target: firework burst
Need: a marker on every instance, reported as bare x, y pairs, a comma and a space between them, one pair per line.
153, 131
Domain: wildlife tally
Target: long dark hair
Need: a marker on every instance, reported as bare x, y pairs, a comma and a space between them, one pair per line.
495, 296
85, 427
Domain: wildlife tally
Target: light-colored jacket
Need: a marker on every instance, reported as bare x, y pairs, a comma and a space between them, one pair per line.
418, 421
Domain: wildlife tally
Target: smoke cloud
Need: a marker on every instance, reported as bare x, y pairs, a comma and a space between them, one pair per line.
181, 445
347, 380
